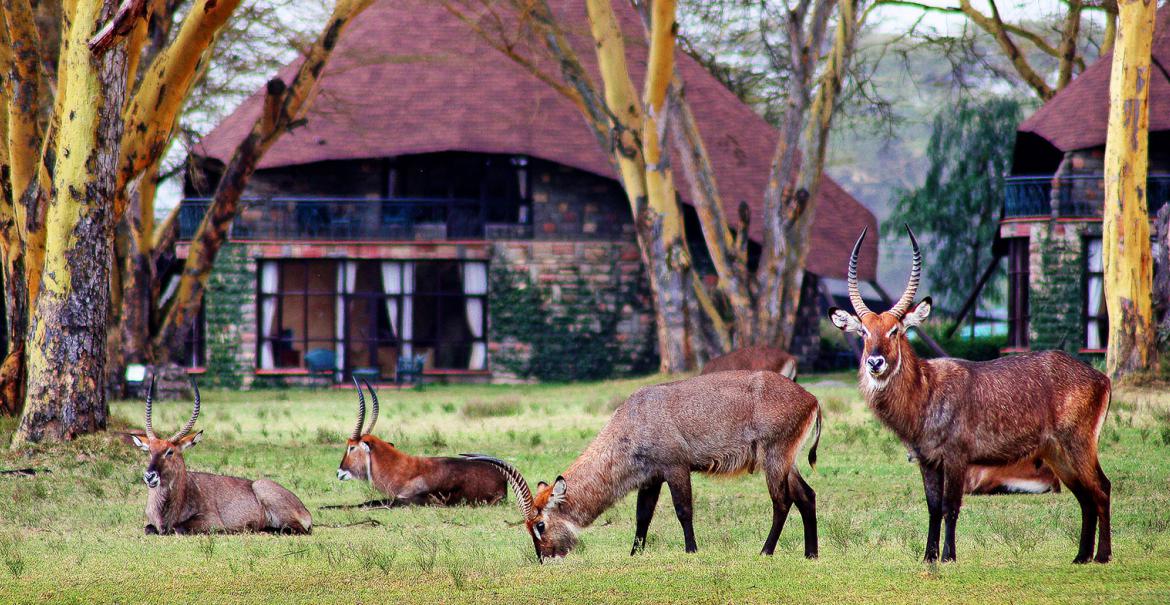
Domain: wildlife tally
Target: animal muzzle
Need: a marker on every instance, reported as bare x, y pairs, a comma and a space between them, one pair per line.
876, 364
151, 479
344, 475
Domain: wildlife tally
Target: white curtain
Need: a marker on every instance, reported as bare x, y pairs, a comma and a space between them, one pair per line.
269, 285
474, 286
1096, 296
346, 284
398, 281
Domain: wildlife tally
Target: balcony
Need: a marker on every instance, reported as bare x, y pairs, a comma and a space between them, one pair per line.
1079, 196
359, 219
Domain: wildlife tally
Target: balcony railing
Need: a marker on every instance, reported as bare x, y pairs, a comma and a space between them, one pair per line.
1070, 196
357, 219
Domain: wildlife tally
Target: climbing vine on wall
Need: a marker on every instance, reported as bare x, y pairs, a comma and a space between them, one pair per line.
232, 282
1055, 299
562, 334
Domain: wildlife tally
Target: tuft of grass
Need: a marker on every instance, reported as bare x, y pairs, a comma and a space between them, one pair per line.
326, 436
12, 551
835, 405
479, 408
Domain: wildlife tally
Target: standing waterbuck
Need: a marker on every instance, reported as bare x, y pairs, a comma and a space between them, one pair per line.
187, 502
721, 424
954, 413
410, 479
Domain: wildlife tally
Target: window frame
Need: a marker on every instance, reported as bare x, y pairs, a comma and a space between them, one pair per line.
1019, 300
1087, 274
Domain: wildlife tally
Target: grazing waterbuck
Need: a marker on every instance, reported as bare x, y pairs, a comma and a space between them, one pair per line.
954, 413
418, 480
721, 424
186, 502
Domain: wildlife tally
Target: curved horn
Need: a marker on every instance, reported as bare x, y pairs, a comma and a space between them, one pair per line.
374, 413
907, 299
149, 402
357, 430
194, 416
515, 479
854, 294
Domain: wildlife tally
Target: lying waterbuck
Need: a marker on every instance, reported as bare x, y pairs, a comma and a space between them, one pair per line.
1023, 477
720, 424
187, 502
410, 479
955, 413
754, 358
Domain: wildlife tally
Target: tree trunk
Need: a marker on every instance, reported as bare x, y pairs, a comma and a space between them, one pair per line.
1126, 227
283, 107
66, 344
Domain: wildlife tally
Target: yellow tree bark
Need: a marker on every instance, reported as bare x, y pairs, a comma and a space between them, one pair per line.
1126, 229
637, 133
67, 335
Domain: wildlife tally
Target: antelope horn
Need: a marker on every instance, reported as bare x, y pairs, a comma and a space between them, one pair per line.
149, 405
194, 416
907, 299
357, 430
374, 413
854, 294
515, 479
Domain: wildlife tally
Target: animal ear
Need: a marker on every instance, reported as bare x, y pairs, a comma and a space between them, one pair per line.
918, 314
365, 446
845, 321
558, 491
186, 442
140, 443
541, 485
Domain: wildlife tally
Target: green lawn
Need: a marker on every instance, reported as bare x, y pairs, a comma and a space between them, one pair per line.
75, 535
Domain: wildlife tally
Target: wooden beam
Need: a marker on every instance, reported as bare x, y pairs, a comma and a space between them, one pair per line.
974, 296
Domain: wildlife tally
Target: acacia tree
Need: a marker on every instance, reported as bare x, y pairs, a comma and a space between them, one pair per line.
69, 171
763, 303
958, 204
1128, 262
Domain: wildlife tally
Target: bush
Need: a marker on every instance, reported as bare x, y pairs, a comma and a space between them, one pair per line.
979, 348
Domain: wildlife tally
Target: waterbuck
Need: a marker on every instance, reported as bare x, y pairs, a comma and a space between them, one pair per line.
410, 479
754, 358
954, 413
721, 424
187, 502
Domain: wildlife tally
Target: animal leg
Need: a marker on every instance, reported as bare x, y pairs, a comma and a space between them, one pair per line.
805, 499
776, 471
647, 500
1085, 479
932, 482
1101, 498
955, 478
680, 492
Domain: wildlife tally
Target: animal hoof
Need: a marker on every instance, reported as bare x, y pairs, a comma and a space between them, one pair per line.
1103, 558
1081, 560
150, 530
812, 555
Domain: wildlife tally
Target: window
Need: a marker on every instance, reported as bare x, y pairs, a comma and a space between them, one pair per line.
344, 315
195, 343
500, 182
1018, 283
1096, 320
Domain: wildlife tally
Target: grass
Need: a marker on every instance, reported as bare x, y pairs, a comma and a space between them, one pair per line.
75, 534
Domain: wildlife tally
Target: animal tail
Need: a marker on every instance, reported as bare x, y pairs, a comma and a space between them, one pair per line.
812, 452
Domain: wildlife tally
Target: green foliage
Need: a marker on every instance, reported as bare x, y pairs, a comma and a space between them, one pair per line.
233, 280
1055, 299
979, 348
568, 337
956, 208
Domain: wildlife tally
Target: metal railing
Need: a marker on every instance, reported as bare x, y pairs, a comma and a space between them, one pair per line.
357, 219
1073, 196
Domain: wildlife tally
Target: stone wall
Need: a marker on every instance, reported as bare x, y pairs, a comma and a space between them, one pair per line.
568, 204
806, 338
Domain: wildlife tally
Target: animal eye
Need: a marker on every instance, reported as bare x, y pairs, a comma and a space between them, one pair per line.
351, 448
168, 454
540, 527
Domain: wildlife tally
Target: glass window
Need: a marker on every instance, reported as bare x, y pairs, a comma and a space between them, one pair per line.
1096, 318
1018, 283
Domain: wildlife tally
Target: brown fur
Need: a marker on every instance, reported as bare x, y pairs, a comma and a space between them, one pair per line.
421, 480
186, 502
754, 358
1023, 477
956, 413
721, 423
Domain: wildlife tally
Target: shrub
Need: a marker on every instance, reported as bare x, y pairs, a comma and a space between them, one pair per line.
979, 348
